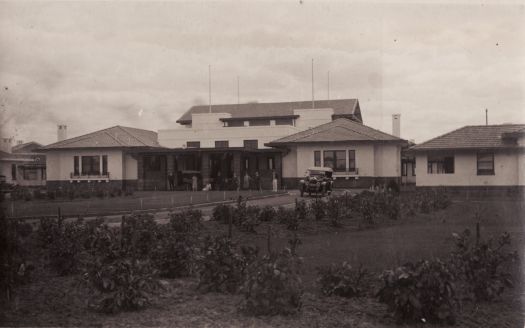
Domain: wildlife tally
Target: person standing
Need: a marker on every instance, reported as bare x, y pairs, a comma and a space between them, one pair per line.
274, 182
257, 181
194, 181
246, 184
171, 181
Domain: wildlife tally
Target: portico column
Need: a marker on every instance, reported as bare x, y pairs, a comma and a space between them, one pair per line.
205, 167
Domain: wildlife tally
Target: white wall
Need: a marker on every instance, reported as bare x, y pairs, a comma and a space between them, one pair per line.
379, 160
309, 118
207, 128
60, 164
506, 167
130, 168
176, 138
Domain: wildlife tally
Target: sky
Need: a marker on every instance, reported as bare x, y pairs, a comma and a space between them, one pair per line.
92, 65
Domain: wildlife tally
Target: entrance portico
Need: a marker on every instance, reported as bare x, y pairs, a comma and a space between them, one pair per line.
220, 167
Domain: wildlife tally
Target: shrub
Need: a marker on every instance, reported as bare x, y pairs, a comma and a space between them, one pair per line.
368, 210
392, 207
334, 211
483, 265
273, 285
121, 284
300, 210
249, 220
393, 186
15, 270
51, 195
221, 268
66, 243
342, 280
267, 214
189, 220
287, 217
222, 213
139, 234
318, 208
421, 291
175, 254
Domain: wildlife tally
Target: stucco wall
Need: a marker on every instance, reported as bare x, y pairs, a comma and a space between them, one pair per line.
465, 171
60, 164
177, 138
379, 160
130, 167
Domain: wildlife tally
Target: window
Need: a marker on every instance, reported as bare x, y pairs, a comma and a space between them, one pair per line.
76, 166
317, 158
234, 123
30, 173
105, 164
336, 159
259, 122
404, 169
222, 144
271, 163
351, 160
13, 171
485, 163
90, 165
284, 121
246, 163
251, 144
414, 168
193, 144
44, 174
440, 164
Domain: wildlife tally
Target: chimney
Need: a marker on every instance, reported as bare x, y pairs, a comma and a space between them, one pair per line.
62, 132
396, 125
7, 145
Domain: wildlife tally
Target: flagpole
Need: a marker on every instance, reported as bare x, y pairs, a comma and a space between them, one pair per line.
209, 87
328, 85
313, 99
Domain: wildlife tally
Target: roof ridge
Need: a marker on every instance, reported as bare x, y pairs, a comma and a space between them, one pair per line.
123, 128
80, 137
114, 137
440, 136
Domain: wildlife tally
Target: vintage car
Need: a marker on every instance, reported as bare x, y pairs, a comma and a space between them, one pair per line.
317, 180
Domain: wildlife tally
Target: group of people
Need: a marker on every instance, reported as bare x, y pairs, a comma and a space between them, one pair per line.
220, 183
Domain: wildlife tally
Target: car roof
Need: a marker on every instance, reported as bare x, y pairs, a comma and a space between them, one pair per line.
320, 168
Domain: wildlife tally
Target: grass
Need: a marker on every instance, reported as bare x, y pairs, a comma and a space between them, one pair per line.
139, 201
52, 300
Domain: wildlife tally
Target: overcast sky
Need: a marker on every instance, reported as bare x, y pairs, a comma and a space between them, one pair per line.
94, 65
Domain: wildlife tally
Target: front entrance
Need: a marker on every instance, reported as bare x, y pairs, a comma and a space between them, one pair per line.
221, 170
154, 172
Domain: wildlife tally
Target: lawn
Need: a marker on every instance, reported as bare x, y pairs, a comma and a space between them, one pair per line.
142, 200
56, 301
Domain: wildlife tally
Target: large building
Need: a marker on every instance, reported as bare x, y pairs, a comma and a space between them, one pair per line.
473, 157
222, 143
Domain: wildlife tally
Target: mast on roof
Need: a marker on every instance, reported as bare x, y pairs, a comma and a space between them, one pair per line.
209, 87
313, 98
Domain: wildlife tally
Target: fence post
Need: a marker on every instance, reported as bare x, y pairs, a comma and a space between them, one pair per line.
269, 240
141, 204
191, 199
229, 223
12, 209
477, 233
224, 195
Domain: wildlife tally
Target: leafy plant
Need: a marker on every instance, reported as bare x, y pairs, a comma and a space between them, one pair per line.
288, 217
139, 234
267, 214
483, 265
318, 208
273, 285
300, 210
121, 284
334, 211
424, 291
221, 268
222, 213
177, 245
342, 280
